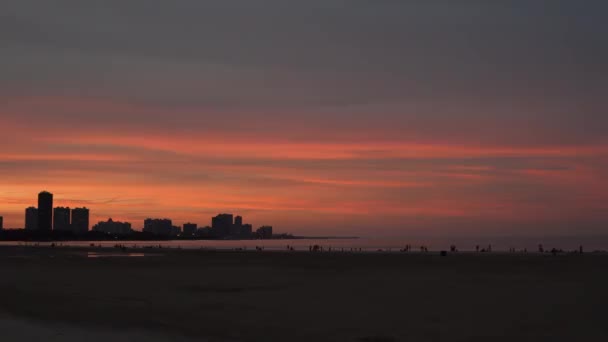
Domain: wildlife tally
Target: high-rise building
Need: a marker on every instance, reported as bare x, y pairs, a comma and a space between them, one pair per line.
80, 220
45, 211
189, 229
31, 218
221, 225
238, 221
61, 219
158, 226
113, 227
1, 222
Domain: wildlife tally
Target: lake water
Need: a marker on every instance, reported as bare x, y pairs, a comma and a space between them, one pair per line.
365, 244
116, 255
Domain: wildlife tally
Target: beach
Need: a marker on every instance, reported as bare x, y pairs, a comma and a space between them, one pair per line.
78, 293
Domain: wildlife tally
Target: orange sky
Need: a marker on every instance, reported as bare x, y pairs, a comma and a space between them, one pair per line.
302, 187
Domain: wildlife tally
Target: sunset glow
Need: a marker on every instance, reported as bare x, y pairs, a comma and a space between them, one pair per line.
353, 125
312, 186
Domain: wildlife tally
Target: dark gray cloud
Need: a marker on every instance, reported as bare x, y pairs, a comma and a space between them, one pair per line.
509, 72
325, 34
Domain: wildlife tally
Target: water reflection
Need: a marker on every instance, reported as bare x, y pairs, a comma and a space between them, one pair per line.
118, 255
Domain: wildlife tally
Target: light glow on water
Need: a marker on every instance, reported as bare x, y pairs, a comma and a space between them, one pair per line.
116, 255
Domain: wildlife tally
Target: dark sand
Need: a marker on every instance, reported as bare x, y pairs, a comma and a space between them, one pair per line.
272, 296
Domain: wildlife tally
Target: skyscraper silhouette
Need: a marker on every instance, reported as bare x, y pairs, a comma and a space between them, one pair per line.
31, 218
222, 224
61, 219
80, 220
1, 222
45, 211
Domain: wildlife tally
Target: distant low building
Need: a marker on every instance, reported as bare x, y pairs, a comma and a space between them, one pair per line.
189, 229
204, 232
61, 219
264, 232
113, 227
162, 227
246, 230
31, 218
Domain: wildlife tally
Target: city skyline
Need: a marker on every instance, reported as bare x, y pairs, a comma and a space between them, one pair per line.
383, 118
77, 221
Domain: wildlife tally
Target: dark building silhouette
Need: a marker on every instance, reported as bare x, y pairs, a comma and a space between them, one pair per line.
240, 230
31, 218
61, 219
221, 225
264, 232
113, 227
204, 232
80, 220
45, 211
246, 230
158, 226
1, 222
189, 229
235, 231
45, 218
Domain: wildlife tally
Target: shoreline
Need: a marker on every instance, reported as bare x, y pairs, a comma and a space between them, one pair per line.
119, 249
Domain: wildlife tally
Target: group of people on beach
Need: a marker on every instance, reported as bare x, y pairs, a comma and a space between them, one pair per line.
318, 248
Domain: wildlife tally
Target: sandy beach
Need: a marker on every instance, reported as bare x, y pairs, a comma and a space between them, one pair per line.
61, 294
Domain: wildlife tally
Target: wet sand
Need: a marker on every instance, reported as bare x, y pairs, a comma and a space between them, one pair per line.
60, 294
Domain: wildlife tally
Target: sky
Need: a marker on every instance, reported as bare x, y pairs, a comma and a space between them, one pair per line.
319, 117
